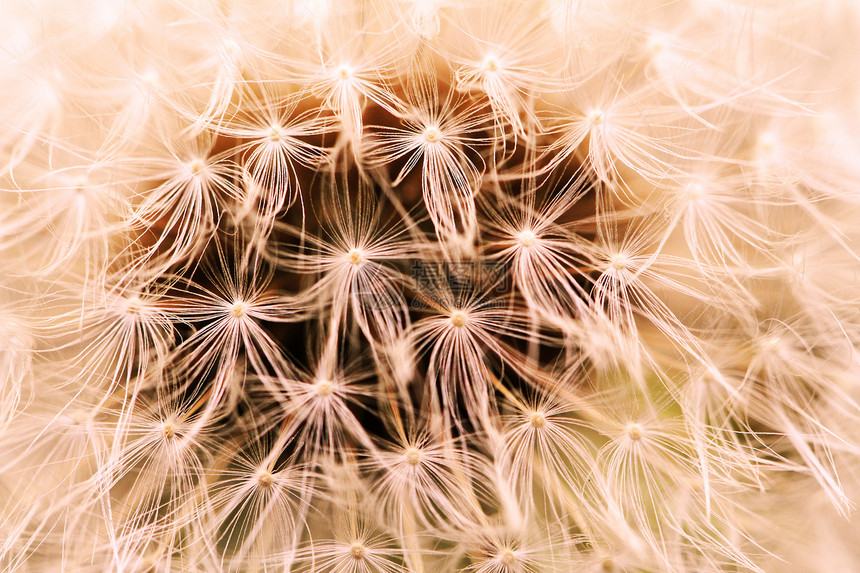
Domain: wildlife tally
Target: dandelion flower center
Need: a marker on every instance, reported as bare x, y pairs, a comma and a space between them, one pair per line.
466, 260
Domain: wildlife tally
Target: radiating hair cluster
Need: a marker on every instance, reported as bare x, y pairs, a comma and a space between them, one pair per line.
489, 286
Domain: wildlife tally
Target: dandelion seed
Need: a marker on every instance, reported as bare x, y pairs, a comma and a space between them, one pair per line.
443, 136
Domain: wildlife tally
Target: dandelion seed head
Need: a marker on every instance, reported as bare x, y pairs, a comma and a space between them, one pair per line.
771, 343
491, 64
358, 551
596, 117
413, 456
73, 419
168, 430
537, 420
264, 479
432, 134
527, 238
133, 304
232, 49
694, 191
656, 43
344, 73
618, 261
274, 133
324, 388
238, 309
767, 141
196, 166
149, 79
355, 257
767, 147
80, 190
254, 210
507, 557
304, 11
459, 318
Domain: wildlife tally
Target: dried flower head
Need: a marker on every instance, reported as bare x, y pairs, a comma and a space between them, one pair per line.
508, 286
